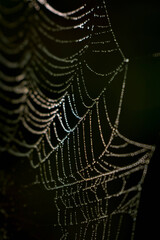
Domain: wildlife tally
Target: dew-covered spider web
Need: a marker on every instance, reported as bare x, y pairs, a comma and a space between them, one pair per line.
59, 71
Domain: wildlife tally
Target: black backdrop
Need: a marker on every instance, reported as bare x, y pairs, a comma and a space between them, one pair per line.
137, 28
136, 24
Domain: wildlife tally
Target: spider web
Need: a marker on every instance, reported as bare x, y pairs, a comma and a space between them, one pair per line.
58, 71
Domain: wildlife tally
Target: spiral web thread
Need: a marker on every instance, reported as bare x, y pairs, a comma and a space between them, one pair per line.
50, 115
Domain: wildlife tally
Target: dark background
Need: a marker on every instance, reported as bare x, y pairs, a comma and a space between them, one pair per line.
136, 24
137, 28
